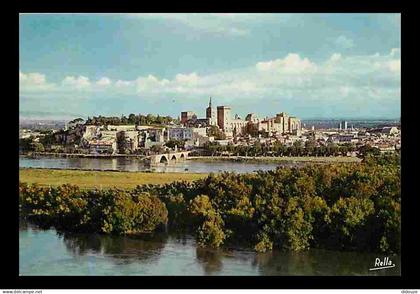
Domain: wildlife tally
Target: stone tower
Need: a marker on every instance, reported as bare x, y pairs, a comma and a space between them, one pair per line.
210, 115
223, 118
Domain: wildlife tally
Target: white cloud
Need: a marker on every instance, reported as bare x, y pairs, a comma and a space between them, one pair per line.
187, 79
344, 42
396, 52
34, 81
123, 84
79, 82
151, 84
335, 57
104, 81
291, 64
395, 66
363, 78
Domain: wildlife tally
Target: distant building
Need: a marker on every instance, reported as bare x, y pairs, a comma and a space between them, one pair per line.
294, 124
223, 118
252, 118
389, 130
343, 125
238, 125
187, 115
180, 133
282, 123
283, 119
106, 145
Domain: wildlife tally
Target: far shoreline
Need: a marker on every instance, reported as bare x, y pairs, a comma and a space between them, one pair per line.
320, 159
316, 159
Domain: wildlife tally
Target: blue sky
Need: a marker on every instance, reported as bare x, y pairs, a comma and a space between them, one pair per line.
309, 65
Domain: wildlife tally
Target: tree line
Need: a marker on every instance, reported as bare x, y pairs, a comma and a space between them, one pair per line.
132, 119
298, 148
335, 206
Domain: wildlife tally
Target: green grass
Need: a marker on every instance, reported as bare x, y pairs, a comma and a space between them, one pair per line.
101, 179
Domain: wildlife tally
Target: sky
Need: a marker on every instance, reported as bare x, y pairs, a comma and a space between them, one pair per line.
308, 65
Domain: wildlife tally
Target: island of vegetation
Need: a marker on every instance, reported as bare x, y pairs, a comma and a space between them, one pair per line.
338, 205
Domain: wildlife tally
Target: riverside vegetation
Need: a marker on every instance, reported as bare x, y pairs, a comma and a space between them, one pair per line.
337, 206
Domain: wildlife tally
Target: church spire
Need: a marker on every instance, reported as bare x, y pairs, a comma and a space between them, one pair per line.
210, 102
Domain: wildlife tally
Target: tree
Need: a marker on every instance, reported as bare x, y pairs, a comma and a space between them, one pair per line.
37, 147
132, 119
157, 149
297, 148
310, 146
25, 144
332, 149
173, 142
216, 133
367, 150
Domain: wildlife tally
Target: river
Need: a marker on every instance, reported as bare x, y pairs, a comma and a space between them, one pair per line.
134, 164
46, 252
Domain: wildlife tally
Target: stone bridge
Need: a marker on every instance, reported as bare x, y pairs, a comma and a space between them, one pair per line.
168, 158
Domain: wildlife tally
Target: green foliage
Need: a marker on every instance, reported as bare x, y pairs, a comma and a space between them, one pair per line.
211, 232
132, 119
264, 243
208, 222
350, 206
25, 144
37, 147
109, 211
172, 143
216, 133
348, 217
133, 214
310, 148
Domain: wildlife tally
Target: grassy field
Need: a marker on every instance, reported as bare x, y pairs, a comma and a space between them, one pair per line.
100, 179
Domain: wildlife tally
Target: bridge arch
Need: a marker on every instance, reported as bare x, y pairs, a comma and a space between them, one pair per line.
182, 156
173, 158
163, 159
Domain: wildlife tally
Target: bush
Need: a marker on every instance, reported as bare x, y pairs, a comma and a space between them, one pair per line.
132, 214
109, 211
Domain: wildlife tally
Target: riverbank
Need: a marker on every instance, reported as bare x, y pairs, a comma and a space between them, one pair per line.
319, 159
101, 179
343, 159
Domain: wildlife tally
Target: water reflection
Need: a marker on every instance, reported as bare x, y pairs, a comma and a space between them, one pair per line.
211, 260
135, 164
321, 262
46, 252
120, 248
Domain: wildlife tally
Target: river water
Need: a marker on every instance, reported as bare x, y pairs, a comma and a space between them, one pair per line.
46, 252
133, 164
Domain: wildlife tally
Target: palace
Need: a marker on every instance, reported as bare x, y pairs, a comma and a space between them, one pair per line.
281, 124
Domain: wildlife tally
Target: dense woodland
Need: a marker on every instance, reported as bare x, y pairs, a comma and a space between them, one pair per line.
337, 206
132, 119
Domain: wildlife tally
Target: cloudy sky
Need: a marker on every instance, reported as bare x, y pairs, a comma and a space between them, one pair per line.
309, 65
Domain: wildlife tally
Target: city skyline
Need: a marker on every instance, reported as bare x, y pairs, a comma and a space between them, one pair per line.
315, 66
